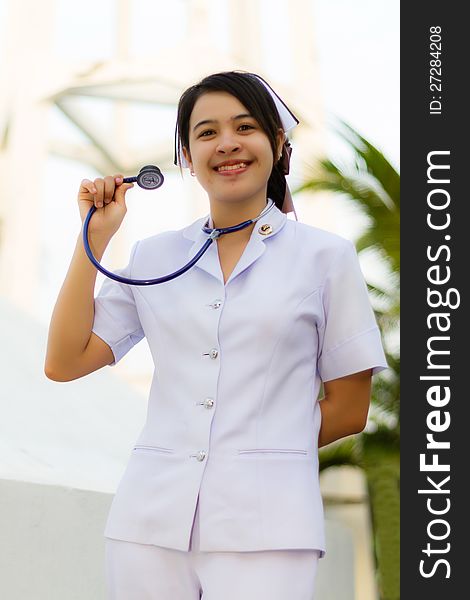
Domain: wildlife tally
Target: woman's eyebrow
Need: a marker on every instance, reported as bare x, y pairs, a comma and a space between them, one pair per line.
206, 121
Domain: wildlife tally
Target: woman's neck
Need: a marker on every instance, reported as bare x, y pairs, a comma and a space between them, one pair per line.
226, 214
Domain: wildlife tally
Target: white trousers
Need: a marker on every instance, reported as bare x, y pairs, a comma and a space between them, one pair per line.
147, 572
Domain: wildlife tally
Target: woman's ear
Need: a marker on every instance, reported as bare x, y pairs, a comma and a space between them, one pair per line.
187, 157
281, 138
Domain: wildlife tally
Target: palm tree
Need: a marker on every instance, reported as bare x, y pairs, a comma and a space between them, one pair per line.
371, 183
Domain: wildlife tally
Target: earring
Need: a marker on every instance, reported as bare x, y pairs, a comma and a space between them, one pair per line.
193, 174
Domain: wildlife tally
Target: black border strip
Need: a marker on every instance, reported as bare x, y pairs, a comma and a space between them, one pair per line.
434, 232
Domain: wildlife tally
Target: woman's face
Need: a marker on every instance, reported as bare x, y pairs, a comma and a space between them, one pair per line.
229, 153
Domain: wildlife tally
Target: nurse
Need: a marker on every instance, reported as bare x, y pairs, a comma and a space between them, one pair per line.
220, 498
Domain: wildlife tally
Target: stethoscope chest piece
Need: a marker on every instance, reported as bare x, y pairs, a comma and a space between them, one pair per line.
149, 178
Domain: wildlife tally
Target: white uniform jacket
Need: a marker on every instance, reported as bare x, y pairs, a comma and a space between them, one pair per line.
233, 415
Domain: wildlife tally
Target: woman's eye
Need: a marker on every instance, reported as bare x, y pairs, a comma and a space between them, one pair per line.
243, 127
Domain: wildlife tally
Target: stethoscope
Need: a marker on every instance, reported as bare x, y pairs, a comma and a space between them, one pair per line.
150, 178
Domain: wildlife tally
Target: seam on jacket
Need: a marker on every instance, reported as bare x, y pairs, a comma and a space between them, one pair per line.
112, 320
350, 339
285, 331
347, 245
131, 263
331, 267
137, 289
278, 341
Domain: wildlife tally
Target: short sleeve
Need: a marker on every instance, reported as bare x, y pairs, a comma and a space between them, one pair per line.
349, 338
116, 319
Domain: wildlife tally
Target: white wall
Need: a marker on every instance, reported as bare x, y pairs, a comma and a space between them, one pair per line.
51, 545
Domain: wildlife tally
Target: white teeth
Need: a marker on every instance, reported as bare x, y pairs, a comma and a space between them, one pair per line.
232, 167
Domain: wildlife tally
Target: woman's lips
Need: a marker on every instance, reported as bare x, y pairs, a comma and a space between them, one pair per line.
233, 171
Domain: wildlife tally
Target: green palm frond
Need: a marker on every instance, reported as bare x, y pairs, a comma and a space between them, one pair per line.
374, 161
338, 454
372, 184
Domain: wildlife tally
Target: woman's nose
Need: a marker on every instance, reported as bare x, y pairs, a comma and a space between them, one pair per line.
227, 144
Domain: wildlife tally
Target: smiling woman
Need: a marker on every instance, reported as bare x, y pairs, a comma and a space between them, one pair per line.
222, 484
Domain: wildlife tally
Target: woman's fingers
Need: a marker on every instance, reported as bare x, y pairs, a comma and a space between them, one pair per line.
105, 189
87, 186
102, 191
99, 196
109, 186
121, 189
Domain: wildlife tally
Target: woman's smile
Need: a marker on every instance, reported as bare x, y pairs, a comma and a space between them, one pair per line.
232, 167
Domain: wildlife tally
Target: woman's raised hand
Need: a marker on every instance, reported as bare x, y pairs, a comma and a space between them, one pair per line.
108, 196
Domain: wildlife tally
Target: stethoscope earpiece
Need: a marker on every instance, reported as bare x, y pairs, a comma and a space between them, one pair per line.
149, 178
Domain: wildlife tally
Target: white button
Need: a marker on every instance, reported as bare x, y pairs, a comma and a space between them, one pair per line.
208, 402
213, 353
201, 455
216, 304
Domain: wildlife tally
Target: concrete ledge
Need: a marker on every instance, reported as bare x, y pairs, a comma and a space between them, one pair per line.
52, 546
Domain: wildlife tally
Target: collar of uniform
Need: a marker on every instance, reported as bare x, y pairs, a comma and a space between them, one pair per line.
275, 217
255, 247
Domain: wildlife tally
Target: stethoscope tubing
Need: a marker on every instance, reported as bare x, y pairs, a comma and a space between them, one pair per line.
213, 235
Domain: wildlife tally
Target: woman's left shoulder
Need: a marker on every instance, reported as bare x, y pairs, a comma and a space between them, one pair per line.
318, 238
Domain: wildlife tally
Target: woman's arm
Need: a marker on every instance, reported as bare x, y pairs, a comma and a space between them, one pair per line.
71, 351
345, 406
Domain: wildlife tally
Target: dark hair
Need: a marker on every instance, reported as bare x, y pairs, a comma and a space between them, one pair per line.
251, 92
